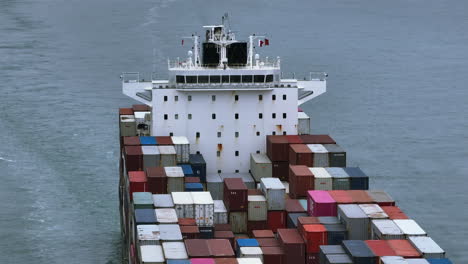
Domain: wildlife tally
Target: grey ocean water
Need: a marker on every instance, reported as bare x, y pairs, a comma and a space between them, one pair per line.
397, 101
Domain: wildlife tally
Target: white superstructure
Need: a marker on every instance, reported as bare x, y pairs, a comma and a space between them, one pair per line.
225, 101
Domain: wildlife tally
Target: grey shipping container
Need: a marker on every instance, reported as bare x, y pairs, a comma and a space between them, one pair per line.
358, 180
303, 123
182, 147
166, 216
257, 208
329, 249
336, 234
355, 221
148, 234
336, 155
214, 184
175, 179
204, 208
338, 259
260, 166
291, 221
163, 201
274, 192
320, 155
220, 212
238, 221
385, 229
174, 250
329, 220
151, 254
127, 126
168, 156
151, 156
170, 232
427, 247
339, 177
359, 252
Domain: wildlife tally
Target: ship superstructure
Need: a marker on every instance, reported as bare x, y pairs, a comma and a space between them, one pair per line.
224, 98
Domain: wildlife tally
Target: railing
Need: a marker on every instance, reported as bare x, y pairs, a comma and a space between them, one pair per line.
176, 64
136, 77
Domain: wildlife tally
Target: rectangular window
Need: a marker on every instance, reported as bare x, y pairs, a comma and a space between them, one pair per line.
165, 98
176, 98
219, 134
213, 116
260, 97
198, 152
258, 151
215, 79
274, 133
191, 79
176, 116
197, 135
202, 79
260, 115
235, 79
258, 133
284, 133
225, 79
236, 116
219, 171
284, 115
269, 78
284, 97
236, 97
165, 116
180, 79
247, 78
259, 78
171, 134
236, 134
273, 97
273, 115
213, 98
189, 98
218, 153
189, 116
237, 171
237, 153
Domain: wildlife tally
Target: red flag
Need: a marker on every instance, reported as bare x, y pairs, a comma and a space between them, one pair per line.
267, 42
182, 42
260, 43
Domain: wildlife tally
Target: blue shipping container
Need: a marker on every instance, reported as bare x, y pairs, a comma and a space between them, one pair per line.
440, 261
198, 166
178, 261
358, 180
292, 219
148, 141
188, 172
145, 216
193, 187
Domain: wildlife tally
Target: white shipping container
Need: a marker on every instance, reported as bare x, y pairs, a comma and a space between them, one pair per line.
183, 204
175, 179
373, 211
322, 179
174, 250
257, 208
220, 212
385, 229
249, 261
182, 147
127, 126
393, 260
260, 166
151, 254
303, 123
144, 119
274, 192
168, 156
163, 201
251, 252
409, 227
148, 234
166, 216
320, 155
204, 208
417, 261
170, 232
427, 247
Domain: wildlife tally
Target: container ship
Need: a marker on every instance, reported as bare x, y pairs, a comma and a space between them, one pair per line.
218, 165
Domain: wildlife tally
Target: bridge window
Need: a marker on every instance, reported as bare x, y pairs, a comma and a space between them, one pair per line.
180, 79
165, 116
191, 79
235, 79
284, 97
259, 78
273, 97
247, 78
269, 78
236, 97
165, 98
260, 97
284, 115
202, 79
225, 78
213, 116
215, 79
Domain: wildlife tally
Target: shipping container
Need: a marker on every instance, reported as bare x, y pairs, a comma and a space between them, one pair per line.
263, 233
424, 261
220, 212
329, 250
133, 158
254, 191
151, 156
238, 221
229, 235
126, 111
355, 220
164, 141
260, 166
301, 179
339, 177
274, 192
257, 208
202, 261
245, 242
187, 168
341, 197
192, 180
127, 126
145, 217
293, 246
174, 250
268, 242
380, 248
223, 227
251, 252
157, 180
276, 219
249, 261
170, 232
403, 248
393, 260
142, 200
303, 123
182, 147
280, 170
131, 141
338, 259
215, 186
198, 166
317, 139
336, 234
178, 261
286, 186
320, 203
162, 201
220, 248
306, 220
291, 219
166, 216
312, 258
358, 180
277, 148
294, 206
187, 222
152, 254
189, 231
360, 197
204, 208
183, 204
385, 229
235, 194
359, 252
336, 155
329, 220
409, 227
322, 179
439, 261
373, 211
427, 247
193, 187
320, 155
225, 261
148, 141
381, 198
138, 181
175, 179
255, 225
314, 236
206, 232
197, 248
148, 234
168, 156
394, 212
246, 178
300, 154
273, 255
141, 108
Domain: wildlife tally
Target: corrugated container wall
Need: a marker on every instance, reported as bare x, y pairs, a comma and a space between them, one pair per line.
340, 178
257, 208
235, 194
175, 179
157, 180
238, 221
301, 179
277, 148
183, 204
355, 220
260, 166
293, 245
182, 147
322, 179
220, 212
215, 185
358, 179
385, 229
127, 126
168, 156
151, 156
303, 123
204, 208
198, 166
280, 169
320, 155
300, 154
274, 192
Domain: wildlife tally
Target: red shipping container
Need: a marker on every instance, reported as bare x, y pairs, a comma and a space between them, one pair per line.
190, 232
192, 180
294, 206
197, 248
341, 197
263, 234
235, 194
141, 108
226, 261
126, 111
306, 220
220, 248
256, 225
403, 248
157, 180
254, 192
229, 235
360, 197
268, 242
277, 148
314, 236
301, 180
133, 158
273, 255
394, 212
300, 154
131, 141
312, 258
294, 139
223, 227
276, 219
380, 248
293, 246
164, 140
280, 170
187, 221
137, 181
317, 139
320, 203
381, 198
